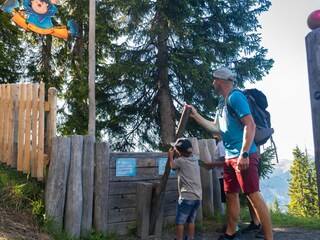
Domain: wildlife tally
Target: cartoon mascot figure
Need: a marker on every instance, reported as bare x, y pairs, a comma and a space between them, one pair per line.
38, 17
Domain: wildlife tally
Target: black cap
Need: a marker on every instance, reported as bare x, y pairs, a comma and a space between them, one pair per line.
182, 145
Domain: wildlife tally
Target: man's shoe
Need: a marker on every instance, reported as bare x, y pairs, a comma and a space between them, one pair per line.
223, 237
252, 228
260, 234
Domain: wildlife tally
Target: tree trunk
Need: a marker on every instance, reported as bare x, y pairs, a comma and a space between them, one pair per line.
167, 113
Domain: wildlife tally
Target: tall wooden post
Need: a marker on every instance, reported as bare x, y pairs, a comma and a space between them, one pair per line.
92, 68
313, 59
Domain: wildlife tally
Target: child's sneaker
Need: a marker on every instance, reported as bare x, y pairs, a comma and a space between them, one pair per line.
224, 237
252, 228
260, 234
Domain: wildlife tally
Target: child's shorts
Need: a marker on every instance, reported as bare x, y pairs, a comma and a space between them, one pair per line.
187, 211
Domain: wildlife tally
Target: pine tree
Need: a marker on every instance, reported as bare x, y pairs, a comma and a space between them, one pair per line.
165, 59
276, 206
11, 50
302, 186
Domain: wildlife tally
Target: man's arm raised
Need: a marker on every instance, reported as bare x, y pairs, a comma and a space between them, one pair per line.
211, 126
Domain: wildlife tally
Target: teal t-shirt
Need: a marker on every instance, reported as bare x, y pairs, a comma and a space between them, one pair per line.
231, 130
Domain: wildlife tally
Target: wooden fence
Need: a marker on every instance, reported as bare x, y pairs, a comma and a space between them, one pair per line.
90, 187
23, 142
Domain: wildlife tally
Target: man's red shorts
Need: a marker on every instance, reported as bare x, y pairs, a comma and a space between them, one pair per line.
247, 180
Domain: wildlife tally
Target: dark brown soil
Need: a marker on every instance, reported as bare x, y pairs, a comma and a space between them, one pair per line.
14, 226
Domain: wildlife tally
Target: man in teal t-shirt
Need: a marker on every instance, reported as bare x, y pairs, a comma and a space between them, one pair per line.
241, 164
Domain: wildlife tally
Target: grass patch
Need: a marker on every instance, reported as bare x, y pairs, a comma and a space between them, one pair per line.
22, 194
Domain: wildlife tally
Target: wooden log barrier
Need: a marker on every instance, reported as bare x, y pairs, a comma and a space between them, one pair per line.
206, 179
101, 202
88, 184
217, 204
73, 211
144, 194
313, 59
56, 184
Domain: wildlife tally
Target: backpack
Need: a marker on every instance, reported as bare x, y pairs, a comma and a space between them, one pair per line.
258, 105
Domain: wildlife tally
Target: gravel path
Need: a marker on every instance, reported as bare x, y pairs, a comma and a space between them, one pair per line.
279, 234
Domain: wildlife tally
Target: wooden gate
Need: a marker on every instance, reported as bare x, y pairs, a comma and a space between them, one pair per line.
25, 139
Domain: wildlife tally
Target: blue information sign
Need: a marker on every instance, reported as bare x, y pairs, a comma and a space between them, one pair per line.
125, 167
162, 165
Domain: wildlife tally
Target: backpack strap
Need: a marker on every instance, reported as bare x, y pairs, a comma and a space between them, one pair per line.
231, 110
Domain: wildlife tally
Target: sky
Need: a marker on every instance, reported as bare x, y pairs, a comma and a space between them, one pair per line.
284, 28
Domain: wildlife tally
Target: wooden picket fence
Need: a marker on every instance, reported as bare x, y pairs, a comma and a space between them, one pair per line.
25, 139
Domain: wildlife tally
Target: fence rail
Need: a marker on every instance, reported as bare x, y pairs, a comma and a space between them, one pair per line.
23, 142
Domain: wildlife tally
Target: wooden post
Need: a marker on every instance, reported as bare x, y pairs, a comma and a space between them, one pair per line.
92, 68
56, 184
144, 194
35, 110
100, 215
73, 212
2, 94
217, 204
10, 126
313, 60
27, 145
6, 122
52, 119
40, 155
21, 126
206, 179
16, 97
88, 184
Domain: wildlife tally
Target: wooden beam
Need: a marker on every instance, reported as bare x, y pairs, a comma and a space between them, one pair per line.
313, 60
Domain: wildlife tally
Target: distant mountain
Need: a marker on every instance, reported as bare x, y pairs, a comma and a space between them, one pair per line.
277, 185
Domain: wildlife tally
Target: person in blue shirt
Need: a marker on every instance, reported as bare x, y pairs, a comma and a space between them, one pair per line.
241, 164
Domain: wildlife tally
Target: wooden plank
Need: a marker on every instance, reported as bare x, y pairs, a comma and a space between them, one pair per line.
16, 100
10, 126
313, 60
40, 160
169, 210
142, 174
27, 145
56, 184
2, 95
35, 113
206, 179
122, 201
217, 204
21, 127
52, 118
6, 123
101, 202
74, 202
119, 215
122, 228
117, 188
144, 194
143, 159
171, 197
87, 184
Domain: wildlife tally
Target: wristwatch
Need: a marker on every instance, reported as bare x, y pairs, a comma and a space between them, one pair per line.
245, 155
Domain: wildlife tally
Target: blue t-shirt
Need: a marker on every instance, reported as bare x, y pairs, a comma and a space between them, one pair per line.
231, 130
